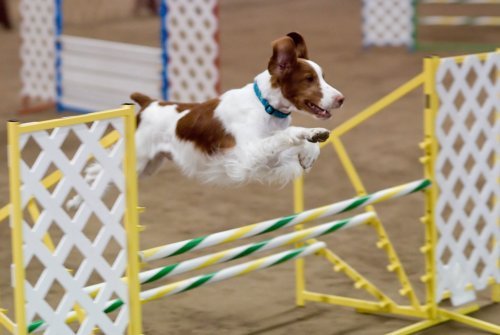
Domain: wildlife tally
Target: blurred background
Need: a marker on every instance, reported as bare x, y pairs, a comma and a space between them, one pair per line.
384, 149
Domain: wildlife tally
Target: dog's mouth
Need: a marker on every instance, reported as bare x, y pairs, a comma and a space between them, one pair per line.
318, 111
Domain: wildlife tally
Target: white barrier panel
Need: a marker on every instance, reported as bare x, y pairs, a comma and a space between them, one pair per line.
387, 23
193, 50
98, 75
92, 240
467, 171
37, 49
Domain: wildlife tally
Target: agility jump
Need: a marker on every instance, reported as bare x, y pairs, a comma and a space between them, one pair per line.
38, 193
400, 23
83, 74
53, 133
460, 158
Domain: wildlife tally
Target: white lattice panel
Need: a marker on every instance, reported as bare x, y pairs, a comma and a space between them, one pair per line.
387, 22
467, 172
37, 30
90, 241
193, 50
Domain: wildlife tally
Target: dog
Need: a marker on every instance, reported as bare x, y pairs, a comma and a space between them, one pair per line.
245, 134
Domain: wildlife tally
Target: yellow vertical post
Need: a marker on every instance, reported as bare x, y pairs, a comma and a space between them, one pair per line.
495, 294
495, 289
300, 280
16, 226
430, 147
131, 224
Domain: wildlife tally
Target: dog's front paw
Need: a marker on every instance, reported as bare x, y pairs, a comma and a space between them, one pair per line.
318, 135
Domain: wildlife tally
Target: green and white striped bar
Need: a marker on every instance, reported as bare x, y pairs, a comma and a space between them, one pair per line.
198, 281
460, 21
199, 243
245, 250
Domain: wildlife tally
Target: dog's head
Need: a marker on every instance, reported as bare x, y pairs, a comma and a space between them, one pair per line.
300, 80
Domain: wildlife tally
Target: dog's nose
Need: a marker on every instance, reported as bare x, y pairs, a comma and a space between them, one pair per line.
339, 100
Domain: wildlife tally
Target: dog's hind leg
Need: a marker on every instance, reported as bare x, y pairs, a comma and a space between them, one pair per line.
155, 163
90, 175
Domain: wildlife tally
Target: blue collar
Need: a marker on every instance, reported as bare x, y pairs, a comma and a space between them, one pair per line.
267, 106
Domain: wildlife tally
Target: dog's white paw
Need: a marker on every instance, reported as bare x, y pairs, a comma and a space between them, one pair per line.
297, 136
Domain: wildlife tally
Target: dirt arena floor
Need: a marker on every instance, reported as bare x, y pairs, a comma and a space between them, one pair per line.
385, 151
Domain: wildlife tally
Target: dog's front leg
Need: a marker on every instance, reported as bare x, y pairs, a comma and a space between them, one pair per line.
271, 147
313, 135
283, 156
268, 151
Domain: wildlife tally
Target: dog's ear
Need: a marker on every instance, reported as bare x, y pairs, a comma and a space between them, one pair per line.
284, 57
300, 44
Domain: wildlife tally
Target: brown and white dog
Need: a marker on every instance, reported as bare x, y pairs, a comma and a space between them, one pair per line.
245, 134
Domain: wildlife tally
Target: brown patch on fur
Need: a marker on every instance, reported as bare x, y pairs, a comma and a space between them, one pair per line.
201, 127
284, 57
300, 85
144, 101
181, 107
300, 44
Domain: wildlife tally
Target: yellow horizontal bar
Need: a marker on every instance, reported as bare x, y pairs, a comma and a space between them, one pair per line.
110, 138
72, 120
460, 59
380, 104
342, 301
6, 322
4, 212
416, 327
364, 306
412, 329
473, 322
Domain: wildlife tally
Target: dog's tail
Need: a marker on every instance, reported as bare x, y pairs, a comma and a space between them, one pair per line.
93, 170
142, 99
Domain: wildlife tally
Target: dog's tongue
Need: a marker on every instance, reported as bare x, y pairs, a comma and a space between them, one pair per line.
324, 113
318, 111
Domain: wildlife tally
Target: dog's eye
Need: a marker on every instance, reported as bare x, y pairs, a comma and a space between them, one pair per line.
309, 78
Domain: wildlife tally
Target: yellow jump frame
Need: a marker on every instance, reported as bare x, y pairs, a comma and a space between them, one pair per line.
430, 312
14, 211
